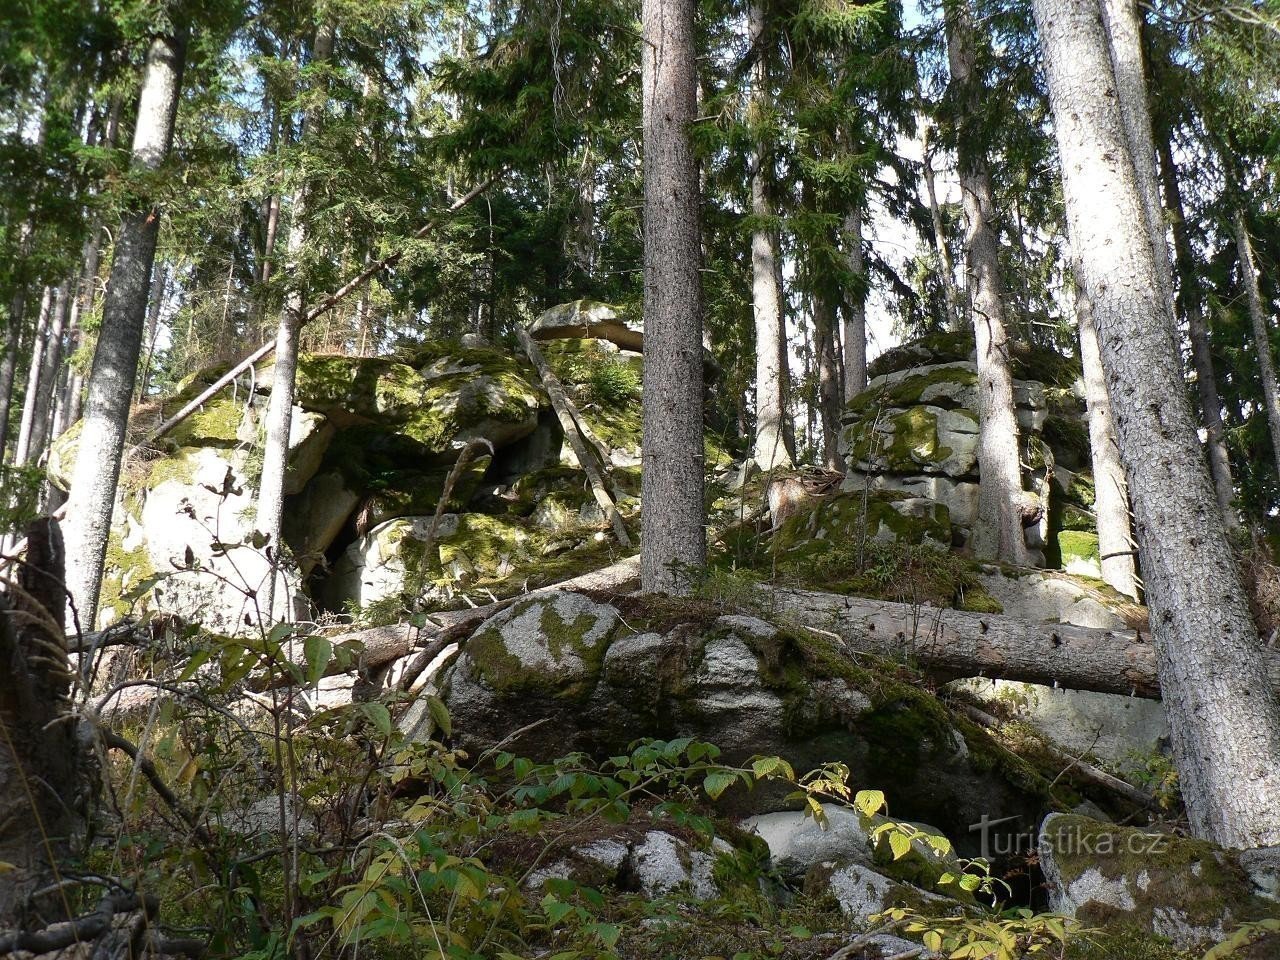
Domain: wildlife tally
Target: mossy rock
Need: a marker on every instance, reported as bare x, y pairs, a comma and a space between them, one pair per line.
942, 385
889, 516
1123, 878
918, 439
941, 347
1078, 553
1039, 363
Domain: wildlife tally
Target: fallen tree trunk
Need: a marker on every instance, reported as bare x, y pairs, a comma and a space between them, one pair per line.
564, 410
952, 644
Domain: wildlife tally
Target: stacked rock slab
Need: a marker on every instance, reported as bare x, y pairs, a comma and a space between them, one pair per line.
914, 432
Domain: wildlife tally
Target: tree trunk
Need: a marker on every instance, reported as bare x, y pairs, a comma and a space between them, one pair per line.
855, 309
1124, 32
1225, 728
159, 282
115, 362
1110, 486
49, 374
279, 418
31, 400
38, 754
1198, 333
673, 535
997, 530
824, 336
1261, 335
8, 374
946, 264
771, 449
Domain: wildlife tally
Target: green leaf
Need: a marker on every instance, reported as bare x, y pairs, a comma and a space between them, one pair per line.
717, 782
379, 716
556, 910
900, 845
869, 802
440, 716
318, 651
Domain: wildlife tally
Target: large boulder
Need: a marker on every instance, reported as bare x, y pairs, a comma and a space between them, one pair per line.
1189, 891
586, 675
400, 558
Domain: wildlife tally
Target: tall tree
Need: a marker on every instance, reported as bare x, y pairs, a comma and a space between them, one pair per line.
1110, 485
279, 418
1190, 304
1261, 334
673, 537
1224, 722
115, 362
854, 336
997, 531
772, 448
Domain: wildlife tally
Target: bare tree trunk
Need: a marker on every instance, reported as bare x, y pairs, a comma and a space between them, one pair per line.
771, 449
1124, 31
824, 335
1110, 485
946, 264
673, 535
115, 362
855, 309
1261, 335
1198, 333
31, 400
1226, 731
997, 530
8, 374
53, 355
155, 302
279, 418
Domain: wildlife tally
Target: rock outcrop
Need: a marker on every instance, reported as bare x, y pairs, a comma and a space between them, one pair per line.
914, 431
592, 676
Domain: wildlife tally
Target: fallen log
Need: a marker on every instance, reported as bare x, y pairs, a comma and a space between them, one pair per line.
564, 408
951, 644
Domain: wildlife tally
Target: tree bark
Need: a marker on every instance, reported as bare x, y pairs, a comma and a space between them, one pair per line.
1124, 32
8, 374
673, 535
1225, 728
115, 362
1192, 309
771, 449
1110, 485
1261, 335
855, 309
824, 336
997, 531
279, 418
30, 400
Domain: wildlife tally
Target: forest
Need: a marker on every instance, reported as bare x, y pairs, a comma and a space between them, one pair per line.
639, 479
